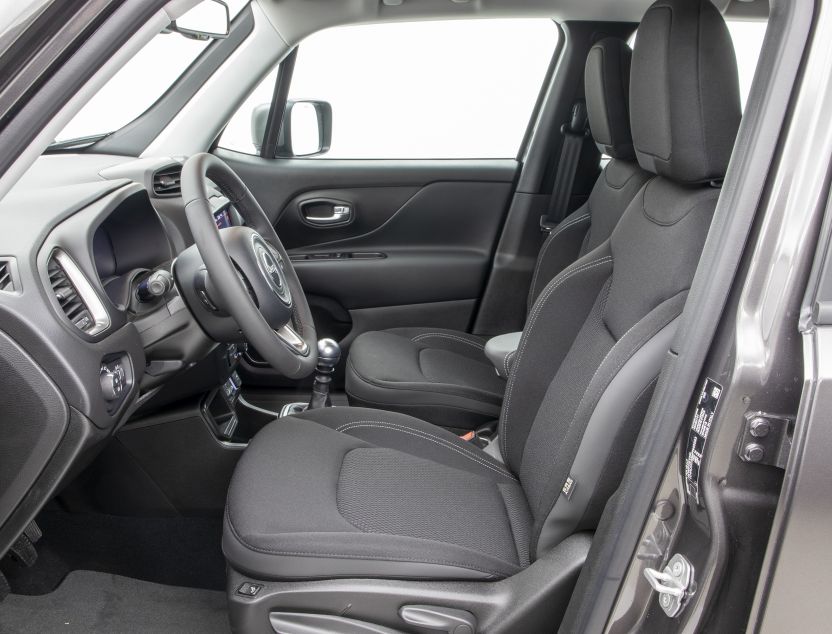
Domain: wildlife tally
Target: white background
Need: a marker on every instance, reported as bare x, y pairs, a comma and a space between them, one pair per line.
455, 89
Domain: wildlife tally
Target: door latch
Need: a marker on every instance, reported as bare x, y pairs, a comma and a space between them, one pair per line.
675, 584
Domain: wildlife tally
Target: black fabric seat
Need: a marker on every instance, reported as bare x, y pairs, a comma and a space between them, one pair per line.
374, 494
350, 492
439, 375
443, 375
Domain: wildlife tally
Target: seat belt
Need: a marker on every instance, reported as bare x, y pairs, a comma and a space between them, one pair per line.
574, 134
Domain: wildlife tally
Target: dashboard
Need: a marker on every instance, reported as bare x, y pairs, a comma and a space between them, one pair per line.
83, 343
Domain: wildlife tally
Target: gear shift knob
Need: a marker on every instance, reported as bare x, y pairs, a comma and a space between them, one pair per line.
329, 354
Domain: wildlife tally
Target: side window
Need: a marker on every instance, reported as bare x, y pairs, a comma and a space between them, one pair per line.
238, 134
437, 89
748, 40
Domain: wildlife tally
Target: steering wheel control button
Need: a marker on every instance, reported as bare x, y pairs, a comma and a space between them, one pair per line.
249, 589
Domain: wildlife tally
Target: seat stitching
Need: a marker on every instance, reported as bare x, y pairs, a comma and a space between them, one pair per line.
427, 386
426, 436
302, 553
559, 229
632, 349
507, 361
475, 407
428, 335
627, 356
521, 561
553, 285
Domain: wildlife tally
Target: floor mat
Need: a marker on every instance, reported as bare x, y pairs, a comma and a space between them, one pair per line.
176, 551
100, 602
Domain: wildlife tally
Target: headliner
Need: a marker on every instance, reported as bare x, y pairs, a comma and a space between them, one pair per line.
295, 19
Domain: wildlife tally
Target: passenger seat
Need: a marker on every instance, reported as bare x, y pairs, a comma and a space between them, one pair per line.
444, 376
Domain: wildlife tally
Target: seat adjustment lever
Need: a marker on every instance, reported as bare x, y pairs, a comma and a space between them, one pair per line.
434, 618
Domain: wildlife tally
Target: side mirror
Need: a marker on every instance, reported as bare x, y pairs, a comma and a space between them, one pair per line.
309, 129
306, 129
209, 19
259, 120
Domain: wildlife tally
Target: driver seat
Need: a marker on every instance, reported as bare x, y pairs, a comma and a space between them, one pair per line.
351, 513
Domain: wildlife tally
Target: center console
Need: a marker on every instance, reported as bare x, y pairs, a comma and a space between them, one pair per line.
230, 417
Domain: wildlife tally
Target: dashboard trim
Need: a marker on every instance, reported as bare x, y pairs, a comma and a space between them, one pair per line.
85, 291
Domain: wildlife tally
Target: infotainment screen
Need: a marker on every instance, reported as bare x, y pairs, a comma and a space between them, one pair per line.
222, 218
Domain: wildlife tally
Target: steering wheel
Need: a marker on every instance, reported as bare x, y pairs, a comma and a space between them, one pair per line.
239, 280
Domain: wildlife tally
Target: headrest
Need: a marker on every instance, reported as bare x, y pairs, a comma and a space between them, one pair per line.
606, 85
684, 92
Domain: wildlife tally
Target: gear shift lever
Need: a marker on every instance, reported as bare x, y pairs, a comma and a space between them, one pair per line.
329, 353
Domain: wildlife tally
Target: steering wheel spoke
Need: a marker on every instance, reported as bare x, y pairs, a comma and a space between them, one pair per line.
291, 338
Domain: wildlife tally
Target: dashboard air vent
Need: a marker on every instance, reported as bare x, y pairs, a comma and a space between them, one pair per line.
6, 279
166, 181
75, 295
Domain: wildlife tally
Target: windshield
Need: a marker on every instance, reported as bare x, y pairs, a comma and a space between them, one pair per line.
139, 83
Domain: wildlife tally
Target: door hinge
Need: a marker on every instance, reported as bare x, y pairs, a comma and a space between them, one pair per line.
766, 439
675, 584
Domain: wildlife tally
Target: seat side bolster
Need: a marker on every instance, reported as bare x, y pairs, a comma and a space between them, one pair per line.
566, 301
639, 360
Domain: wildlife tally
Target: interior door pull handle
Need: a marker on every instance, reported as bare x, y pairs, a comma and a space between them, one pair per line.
339, 215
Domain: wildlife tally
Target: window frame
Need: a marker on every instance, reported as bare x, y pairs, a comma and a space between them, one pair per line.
134, 137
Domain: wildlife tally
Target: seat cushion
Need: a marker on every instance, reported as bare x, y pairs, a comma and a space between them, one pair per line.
441, 376
352, 492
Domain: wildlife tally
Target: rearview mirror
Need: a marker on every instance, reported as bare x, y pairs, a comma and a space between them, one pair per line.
306, 129
207, 20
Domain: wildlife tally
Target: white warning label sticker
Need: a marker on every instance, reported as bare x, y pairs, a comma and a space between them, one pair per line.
700, 428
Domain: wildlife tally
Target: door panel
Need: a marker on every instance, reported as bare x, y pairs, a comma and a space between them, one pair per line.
416, 252
436, 247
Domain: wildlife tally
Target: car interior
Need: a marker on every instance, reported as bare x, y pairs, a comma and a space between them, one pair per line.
275, 382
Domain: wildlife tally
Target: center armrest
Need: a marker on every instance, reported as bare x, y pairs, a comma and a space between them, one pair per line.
500, 351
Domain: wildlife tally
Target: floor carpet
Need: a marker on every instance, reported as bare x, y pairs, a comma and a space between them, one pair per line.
175, 551
101, 602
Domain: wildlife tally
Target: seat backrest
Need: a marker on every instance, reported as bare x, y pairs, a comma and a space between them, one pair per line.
606, 86
597, 335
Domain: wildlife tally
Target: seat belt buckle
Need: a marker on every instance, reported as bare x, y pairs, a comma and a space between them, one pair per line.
481, 437
546, 225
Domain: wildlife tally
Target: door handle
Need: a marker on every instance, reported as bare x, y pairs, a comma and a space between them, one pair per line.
326, 213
